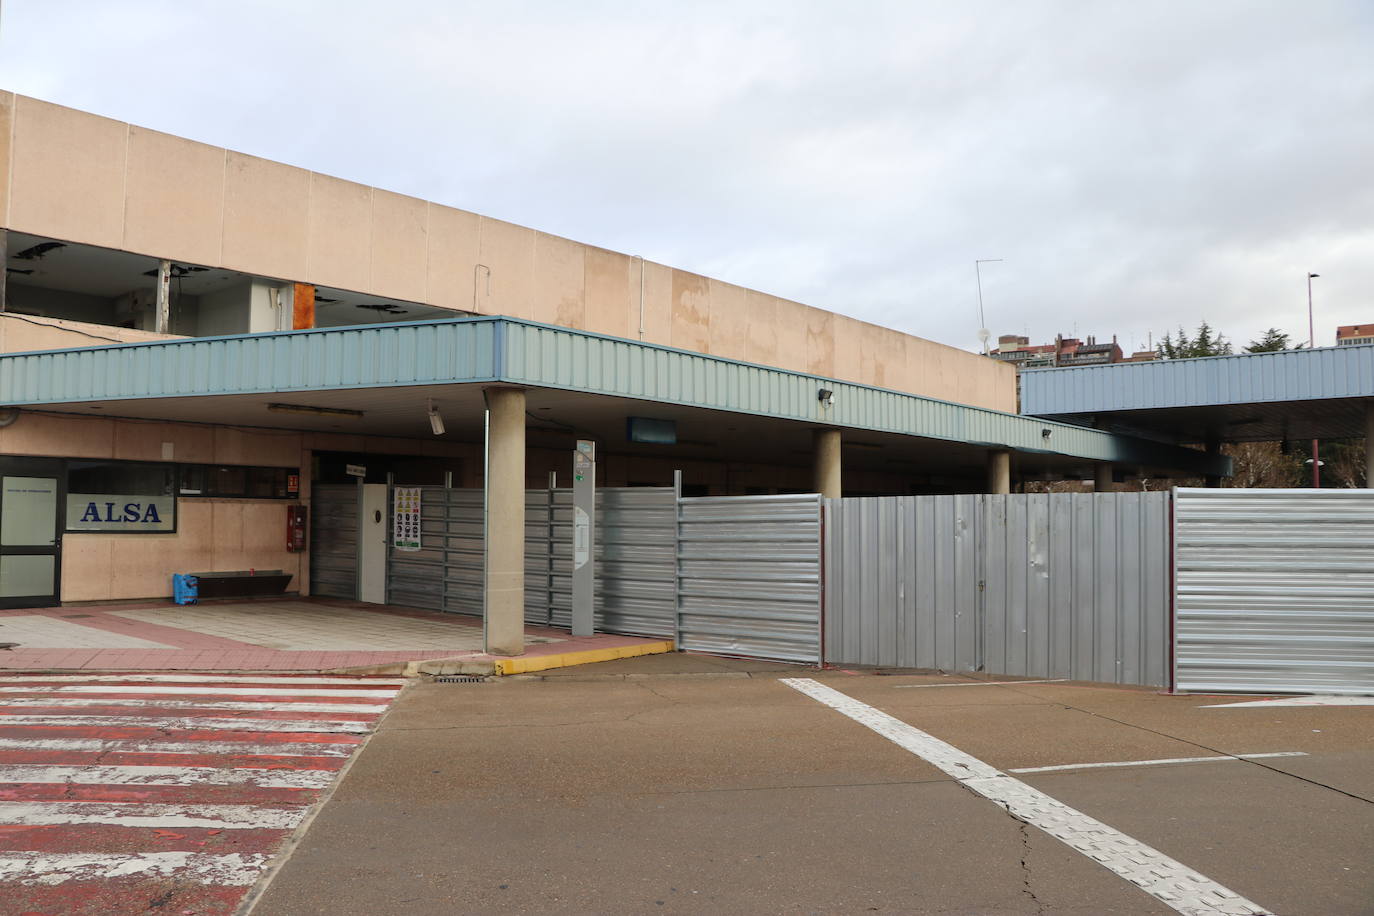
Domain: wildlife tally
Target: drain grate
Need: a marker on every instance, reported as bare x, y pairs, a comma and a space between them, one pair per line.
459, 679
77, 616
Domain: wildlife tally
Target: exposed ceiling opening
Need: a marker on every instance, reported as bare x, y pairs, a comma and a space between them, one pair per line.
55, 279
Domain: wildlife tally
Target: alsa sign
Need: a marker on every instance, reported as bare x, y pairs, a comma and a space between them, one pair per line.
115, 512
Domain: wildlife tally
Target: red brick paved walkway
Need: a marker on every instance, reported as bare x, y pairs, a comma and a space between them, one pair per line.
286, 635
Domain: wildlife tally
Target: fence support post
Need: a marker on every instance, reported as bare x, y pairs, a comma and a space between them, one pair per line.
677, 560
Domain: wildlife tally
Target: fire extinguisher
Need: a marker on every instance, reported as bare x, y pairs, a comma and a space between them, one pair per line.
295, 528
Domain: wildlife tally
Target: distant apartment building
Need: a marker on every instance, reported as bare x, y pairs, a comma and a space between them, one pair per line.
1065, 351
1349, 335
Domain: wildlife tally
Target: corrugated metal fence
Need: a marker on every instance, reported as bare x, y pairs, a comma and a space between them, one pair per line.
749, 576
730, 575
1275, 590
634, 558
1035, 585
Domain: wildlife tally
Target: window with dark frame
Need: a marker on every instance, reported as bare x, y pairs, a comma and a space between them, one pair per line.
237, 481
136, 478
123, 477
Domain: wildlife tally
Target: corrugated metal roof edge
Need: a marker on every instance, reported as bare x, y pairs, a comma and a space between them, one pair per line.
1043, 390
1137, 450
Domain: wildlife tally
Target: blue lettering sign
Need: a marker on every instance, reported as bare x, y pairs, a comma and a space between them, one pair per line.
131, 512
90, 515
150, 515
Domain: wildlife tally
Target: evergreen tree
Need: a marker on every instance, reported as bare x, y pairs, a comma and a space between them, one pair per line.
1204, 342
1272, 341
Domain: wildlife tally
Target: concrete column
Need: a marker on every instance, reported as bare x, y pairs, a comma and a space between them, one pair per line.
1102, 478
505, 486
827, 463
999, 471
162, 323
1369, 445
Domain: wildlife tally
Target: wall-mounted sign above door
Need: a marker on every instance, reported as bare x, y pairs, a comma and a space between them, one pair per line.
121, 512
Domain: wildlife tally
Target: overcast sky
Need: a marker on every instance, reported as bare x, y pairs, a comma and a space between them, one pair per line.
1138, 165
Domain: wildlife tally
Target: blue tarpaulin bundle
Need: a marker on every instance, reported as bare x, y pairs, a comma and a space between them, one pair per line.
185, 589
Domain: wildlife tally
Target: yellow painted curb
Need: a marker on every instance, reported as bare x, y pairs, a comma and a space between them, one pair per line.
584, 657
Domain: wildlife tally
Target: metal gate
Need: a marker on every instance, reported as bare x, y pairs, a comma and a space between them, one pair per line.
1274, 591
334, 540
1036, 585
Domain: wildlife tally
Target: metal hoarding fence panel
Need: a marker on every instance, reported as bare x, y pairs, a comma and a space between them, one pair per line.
1034, 585
334, 541
633, 553
1275, 591
749, 576
634, 558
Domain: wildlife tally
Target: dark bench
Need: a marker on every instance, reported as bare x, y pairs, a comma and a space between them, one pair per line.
241, 583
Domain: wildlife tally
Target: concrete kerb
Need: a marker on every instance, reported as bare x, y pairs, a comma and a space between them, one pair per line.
491, 666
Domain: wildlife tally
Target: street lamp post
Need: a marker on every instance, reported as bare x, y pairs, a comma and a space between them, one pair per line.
1312, 343
982, 322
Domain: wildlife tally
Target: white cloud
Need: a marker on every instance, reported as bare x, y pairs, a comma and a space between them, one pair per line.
1138, 166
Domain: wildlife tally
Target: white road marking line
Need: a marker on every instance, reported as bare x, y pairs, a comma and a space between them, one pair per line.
385, 693
204, 679
236, 748
189, 722
46, 868
1057, 680
1161, 877
1146, 763
1298, 701
167, 776
126, 814
291, 705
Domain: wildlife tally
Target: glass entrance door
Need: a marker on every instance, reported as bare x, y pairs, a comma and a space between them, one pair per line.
31, 496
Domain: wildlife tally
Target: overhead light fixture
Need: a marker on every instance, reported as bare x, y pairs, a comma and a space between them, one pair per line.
314, 411
826, 397
436, 422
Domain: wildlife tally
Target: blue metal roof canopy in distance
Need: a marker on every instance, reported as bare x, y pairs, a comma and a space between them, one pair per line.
1289, 394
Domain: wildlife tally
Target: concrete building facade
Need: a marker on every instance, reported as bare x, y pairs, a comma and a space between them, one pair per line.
203, 335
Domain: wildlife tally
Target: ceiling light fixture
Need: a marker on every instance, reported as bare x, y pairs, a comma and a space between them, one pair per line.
314, 411
436, 422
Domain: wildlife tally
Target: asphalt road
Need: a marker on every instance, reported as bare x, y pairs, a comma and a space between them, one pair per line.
678, 785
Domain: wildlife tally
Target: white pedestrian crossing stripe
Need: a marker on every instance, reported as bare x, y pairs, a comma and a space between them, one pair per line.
166, 776
73, 770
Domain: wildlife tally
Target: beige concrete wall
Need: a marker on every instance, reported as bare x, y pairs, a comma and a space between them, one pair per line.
82, 178
212, 534
28, 332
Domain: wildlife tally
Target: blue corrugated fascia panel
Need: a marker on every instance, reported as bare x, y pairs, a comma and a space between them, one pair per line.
1243, 378
497, 349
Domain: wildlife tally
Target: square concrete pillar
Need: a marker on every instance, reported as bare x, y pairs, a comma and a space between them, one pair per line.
505, 522
1102, 478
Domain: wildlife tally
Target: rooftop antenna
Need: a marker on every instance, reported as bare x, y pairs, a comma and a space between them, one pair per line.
983, 332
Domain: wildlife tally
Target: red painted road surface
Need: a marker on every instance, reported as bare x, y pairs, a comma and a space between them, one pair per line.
132, 793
